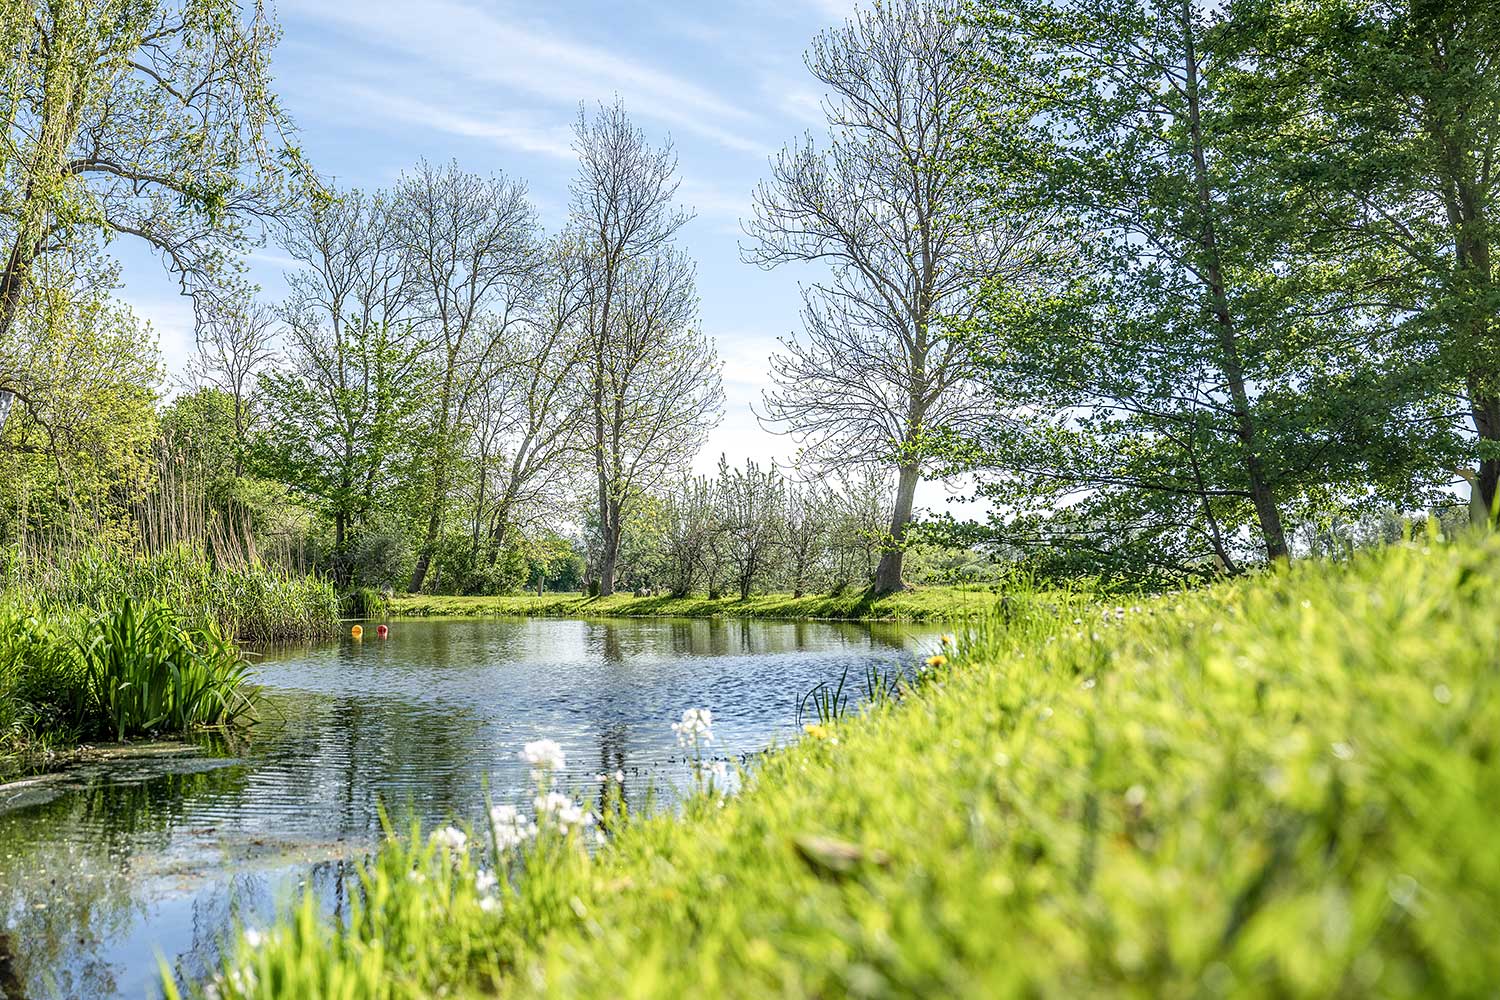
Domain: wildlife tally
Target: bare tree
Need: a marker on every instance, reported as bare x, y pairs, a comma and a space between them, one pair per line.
236, 342
653, 379
874, 371
750, 502
531, 414
472, 247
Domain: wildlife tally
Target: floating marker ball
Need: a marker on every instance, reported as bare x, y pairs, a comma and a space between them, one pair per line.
382, 631
356, 631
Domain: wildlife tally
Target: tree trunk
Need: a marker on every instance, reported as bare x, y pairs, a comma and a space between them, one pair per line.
1266, 510
1486, 413
888, 573
439, 487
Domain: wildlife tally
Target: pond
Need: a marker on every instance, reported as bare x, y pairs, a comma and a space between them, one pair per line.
115, 865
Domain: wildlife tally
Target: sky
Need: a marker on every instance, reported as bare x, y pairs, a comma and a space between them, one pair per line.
376, 85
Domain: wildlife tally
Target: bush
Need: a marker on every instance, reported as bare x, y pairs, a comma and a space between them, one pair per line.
144, 673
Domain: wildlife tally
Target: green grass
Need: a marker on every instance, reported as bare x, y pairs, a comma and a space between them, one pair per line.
1281, 786
250, 603
921, 604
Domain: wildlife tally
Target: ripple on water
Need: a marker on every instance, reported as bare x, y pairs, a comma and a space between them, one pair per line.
115, 861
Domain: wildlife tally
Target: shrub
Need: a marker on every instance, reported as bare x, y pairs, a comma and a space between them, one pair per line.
144, 672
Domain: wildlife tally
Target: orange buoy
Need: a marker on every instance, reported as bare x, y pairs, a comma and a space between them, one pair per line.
356, 631
382, 631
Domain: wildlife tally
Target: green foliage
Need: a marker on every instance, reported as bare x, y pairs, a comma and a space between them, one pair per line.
143, 672
1205, 366
254, 603
1278, 786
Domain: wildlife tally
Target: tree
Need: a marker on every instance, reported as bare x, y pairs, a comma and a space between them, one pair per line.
653, 384
471, 246
804, 535
345, 413
689, 533
1390, 116
76, 454
154, 120
530, 414
236, 341
874, 371
750, 513
1207, 369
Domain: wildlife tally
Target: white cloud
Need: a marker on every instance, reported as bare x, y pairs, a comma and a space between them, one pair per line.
466, 42
513, 131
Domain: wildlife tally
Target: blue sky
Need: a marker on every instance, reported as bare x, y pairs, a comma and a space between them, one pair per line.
376, 85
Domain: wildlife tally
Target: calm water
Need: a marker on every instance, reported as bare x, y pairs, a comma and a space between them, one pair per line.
117, 863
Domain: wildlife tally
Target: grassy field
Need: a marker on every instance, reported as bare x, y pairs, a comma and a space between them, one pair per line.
1282, 786
921, 604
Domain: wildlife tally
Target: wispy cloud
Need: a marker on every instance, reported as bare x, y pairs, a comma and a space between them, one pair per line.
495, 53
514, 131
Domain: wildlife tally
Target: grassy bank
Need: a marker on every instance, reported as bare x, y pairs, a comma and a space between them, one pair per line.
922, 604
1281, 786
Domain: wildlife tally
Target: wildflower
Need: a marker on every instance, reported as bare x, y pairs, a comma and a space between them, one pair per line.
489, 904
254, 938
1442, 694
718, 772
817, 730
697, 726
1135, 796
485, 881
563, 811
619, 777
601, 777
946, 640
449, 838
938, 660
543, 755
512, 829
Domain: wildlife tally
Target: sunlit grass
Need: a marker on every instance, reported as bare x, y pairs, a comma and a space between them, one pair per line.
938, 603
1278, 786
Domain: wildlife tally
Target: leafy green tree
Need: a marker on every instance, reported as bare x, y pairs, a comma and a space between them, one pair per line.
77, 454
1204, 369
154, 120
1389, 116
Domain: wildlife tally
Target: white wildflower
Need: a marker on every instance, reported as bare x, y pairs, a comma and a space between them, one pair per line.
697, 726
718, 772
254, 938
449, 838
563, 811
485, 881
512, 828
619, 777
543, 755
489, 904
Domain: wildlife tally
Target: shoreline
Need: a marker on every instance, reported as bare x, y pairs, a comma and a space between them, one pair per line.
916, 606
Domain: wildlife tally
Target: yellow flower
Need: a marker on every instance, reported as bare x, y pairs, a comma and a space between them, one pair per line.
817, 730
946, 640
937, 661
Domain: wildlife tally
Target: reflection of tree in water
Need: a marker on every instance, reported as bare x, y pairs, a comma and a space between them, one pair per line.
249, 900
68, 884
613, 743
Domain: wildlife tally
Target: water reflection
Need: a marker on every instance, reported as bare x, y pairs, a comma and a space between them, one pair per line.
109, 865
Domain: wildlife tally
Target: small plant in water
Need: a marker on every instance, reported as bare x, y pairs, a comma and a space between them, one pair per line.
828, 702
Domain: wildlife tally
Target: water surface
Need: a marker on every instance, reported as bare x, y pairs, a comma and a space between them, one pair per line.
114, 863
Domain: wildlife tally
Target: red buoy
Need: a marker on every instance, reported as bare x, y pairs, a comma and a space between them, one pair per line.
382, 631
